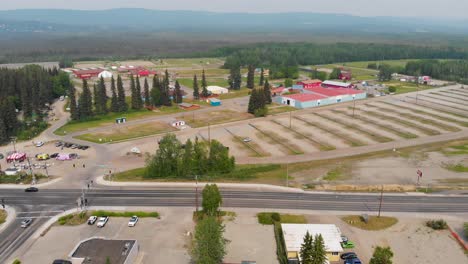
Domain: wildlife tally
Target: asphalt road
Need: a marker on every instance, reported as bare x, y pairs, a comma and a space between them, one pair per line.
47, 203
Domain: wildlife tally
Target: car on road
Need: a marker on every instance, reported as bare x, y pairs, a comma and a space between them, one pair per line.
61, 261
26, 222
133, 221
31, 189
102, 221
348, 255
247, 139
43, 156
39, 144
352, 261
92, 219
12, 171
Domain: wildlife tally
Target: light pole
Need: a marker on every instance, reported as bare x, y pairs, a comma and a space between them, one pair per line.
13, 141
290, 119
354, 103
381, 200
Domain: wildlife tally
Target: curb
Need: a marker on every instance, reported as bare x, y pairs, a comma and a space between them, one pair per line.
458, 239
100, 180
11, 216
22, 186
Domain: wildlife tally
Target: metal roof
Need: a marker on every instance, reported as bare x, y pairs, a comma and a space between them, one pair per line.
294, 236
339, 84
304, 97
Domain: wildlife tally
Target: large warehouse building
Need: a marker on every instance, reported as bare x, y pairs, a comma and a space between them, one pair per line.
294, 237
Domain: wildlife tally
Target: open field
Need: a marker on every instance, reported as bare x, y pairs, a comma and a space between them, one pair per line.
215, 117
128, 132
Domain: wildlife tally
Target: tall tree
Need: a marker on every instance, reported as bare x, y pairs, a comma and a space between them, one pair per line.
235, 78
219, 160
114, 98
133, 90
147, 94
204, 85
209, 243
85, 103
165, 98
288, 83
200, 158
251, 77
123, 106
156, 92
96, 100
74, 112
102, 90
382, 255
196, 90
177, 93
307, 249
267, 92
138, 99
385, 72
319, 254
212, 199
335, 74
252, 102
262, 77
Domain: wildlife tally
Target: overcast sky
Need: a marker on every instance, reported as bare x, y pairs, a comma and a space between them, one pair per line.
414, 8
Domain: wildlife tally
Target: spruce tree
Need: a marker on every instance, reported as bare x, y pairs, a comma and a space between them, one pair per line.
74, 112
165, 98
177, 93
3, 132
138, 99
103, 95
267, 92
147, 93
196, 90
205, 92
307, 249
319, 255
235, 78
8, 114
123, 107
156, 92
251, 77
96, 100
262, 78
133, 90
114, 99
252, 102
85, 103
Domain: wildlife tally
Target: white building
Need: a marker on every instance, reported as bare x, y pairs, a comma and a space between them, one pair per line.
105, 74
294, 237
217, 90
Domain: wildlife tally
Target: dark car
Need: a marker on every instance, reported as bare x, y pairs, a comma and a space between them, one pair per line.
61, 261
348, 255
53, 156
67, 145
59, 144
1, 156
353, 261
31, 189
83, 147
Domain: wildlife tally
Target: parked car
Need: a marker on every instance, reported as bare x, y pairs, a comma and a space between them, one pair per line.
92, 219
31, 189
74, 146
353, 261
59, 144
12, 171
346, 243
67, 145
348, 255
61, 261
39, 144
74, 156
247, 139
102, 221
53, 156
83, 147
1, 156
133, 221
26, 222
42, 156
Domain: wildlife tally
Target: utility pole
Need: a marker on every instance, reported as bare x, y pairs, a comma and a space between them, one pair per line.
31, 172
13, 140
354, 104
290, 119
381, 200
287, 174
196, 193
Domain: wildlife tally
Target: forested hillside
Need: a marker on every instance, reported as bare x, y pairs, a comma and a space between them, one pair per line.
446, 70
28, 90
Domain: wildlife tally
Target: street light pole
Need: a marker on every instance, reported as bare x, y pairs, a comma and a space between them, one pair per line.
196, 193
290, 118
13, 140
381, 200
354, 104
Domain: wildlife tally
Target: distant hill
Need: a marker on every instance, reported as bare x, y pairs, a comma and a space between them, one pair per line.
143, 20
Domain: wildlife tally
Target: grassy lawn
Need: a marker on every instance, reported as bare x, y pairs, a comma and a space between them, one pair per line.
209, 73
456, 167
336, 174
215, 117
129, 132
187, 62
188, 82
3, 216
363, 64
270, 218
81, 218
406, 87
109, 119
461, 149
374, 222
234, 94
278, 109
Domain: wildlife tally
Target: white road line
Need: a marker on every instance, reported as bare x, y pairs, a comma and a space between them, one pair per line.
38, 212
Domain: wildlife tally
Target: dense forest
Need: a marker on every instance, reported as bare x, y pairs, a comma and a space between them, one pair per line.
283, 59
30, 90
452, 70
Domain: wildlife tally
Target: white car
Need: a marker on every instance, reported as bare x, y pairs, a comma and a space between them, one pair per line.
39, 144
247, 139
92, 219
133, 221
102, 221
12, 171
26, 222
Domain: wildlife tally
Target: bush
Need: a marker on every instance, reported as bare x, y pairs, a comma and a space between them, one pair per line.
465, 227
281, 253
267, 218
17, 261
437, 224
261, 112
275, 217
392, 89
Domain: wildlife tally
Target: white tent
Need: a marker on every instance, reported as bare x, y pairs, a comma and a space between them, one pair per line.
217, 90
105, 74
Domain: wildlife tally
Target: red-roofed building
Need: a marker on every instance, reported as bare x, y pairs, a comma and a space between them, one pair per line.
345, 75
87, 74
310, 83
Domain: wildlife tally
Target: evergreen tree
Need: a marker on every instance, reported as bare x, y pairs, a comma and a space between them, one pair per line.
3, 132
138, 99
187, 160
252, 102
235, 78
319, 255
74, 112
288, 83
85, 103
204, 85
382, 255
335, 74
196, 92
147, 94
8, 114
114, 99
262, 78
267, 92
156, 92
123, 107
307, 249
133, 90
102, 90
177, 93
219, 160
165, 98
251, 77
96, 103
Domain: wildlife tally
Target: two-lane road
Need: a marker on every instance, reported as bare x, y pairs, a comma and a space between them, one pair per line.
46, 203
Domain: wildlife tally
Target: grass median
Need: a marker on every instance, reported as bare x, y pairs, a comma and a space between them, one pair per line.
3, 216
269, 218
374, 223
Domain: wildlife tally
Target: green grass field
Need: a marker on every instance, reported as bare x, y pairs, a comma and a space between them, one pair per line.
374, 222
109, 119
